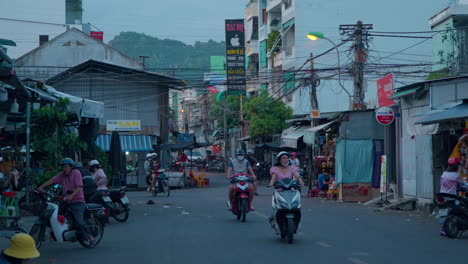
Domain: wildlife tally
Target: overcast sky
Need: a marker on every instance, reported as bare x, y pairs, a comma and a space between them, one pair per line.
185, 20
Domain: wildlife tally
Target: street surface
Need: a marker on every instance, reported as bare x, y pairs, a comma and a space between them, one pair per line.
193, 226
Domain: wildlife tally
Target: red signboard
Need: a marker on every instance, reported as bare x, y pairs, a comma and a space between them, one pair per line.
385, 90
97, 35
217, 149
385, 115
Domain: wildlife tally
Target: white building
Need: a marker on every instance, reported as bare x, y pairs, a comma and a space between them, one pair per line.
67, 50
279, 61
29, 22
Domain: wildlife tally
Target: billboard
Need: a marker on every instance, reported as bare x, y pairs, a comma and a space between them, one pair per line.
385, 90
235, 54
99, 35
123, 125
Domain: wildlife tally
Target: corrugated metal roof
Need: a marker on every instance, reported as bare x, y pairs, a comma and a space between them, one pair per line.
457, 112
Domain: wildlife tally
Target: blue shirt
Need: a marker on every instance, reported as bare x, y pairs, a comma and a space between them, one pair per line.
322, 178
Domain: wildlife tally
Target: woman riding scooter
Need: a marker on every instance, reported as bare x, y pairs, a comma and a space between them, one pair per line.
98, 174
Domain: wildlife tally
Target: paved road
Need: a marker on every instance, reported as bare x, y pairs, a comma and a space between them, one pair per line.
193, 226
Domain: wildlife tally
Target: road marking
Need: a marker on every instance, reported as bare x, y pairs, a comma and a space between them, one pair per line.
357, 261
323, 244
361, 254
260, 214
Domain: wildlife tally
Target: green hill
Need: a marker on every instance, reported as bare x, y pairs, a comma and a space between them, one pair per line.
169, 56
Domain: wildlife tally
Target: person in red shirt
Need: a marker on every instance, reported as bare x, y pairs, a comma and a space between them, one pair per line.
71, 181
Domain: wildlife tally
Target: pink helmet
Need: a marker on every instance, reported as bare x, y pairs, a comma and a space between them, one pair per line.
453, 161
294, 154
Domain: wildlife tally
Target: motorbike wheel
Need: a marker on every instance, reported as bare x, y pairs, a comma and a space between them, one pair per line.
122, 210
243, 209
290, 231
96, 227
451, 227
167, 189
38, 232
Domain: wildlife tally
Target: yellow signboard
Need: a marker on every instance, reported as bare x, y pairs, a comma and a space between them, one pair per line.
123, 125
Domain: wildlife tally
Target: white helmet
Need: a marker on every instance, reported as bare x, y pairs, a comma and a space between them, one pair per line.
281, 154
149, 155
93, 163
154, 154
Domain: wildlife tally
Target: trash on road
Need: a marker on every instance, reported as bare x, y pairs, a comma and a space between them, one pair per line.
150, 202
166, 206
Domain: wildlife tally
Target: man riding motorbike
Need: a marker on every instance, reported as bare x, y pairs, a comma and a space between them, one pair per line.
71, 180
98, 174
239, 165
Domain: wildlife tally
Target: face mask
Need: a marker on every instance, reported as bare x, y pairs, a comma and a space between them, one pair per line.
285, 164
240, 158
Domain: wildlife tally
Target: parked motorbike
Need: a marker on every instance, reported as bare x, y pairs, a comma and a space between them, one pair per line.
56, 219
121, 210
286, 202
455, 208
240, 202
162, 184
215, 165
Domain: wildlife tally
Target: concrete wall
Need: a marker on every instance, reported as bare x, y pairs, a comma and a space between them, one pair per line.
124, 98
68, 50
361, 125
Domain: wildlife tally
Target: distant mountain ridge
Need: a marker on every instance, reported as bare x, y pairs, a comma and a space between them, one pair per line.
190, 60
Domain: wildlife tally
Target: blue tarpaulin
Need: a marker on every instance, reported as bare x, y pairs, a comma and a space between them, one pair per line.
127, 142
354, 161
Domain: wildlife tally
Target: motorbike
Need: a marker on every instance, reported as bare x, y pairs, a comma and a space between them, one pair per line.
455, 208
55, 218
240, 202
114, 201
162, 184
286, 202
215, 165
263, 171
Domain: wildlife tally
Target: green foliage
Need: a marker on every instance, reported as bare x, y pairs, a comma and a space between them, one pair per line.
272, 37
50, 138
267, 116
169, 53
43, 176
232, 113
438, 75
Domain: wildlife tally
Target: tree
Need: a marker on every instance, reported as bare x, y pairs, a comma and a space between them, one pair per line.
267, 115
51, 139
232, 109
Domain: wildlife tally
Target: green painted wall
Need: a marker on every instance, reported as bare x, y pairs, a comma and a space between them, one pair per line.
263, 58
443, 45
217, 64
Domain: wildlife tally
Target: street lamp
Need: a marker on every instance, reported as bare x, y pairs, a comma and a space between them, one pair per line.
319, 35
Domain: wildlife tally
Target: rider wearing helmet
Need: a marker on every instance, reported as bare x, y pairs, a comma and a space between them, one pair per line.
22, 248
294, 160
148, 169
154, 170
240, 165
283, 169
98, 174
72, 186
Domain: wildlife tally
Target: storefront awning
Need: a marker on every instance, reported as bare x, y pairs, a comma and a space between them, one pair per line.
404, 93
457, 112
127, 142
309, 135
82, 107
290, 136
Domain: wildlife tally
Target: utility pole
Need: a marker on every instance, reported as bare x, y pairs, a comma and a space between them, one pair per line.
226, 160
314, 122
358, 33
143, 61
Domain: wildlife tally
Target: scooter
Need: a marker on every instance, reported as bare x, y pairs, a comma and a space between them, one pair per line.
162, 184
455, 208
121, 204
240, 202
56, 219
286, 202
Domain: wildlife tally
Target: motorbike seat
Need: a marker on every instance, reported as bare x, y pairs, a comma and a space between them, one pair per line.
93, 206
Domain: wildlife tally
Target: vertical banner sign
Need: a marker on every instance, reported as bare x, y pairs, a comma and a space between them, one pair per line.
383, 174
235, 54
385, 90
